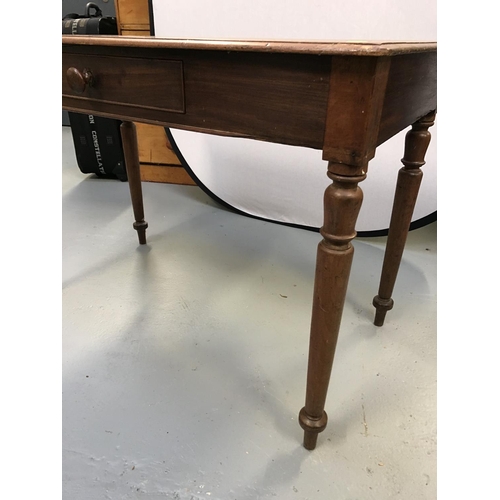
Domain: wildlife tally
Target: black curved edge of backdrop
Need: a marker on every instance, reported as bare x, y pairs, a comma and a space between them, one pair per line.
424, 221
362, 234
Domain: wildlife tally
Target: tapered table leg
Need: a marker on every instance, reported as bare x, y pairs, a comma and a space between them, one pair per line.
409, 179
131, 151
342, 203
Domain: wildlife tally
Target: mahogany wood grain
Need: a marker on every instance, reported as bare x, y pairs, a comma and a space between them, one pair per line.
342, 202
131, 152
409, 178
160, 82
325, 47
357, 90
273, 97
411, 92
344, 98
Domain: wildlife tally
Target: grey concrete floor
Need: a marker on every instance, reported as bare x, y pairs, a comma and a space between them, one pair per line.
184, 361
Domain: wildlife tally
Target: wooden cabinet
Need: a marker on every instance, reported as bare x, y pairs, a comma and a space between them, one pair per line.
133, 17
159, 163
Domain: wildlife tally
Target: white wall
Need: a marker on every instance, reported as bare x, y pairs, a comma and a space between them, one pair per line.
282, 182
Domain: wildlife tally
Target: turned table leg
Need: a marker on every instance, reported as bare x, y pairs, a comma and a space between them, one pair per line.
408, 184
131, 151
342, 203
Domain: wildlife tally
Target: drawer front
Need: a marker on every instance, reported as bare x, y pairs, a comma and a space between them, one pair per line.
156, 84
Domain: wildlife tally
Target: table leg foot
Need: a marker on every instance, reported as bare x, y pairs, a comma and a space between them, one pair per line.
381, 307
312, 427
409, 179
141, 227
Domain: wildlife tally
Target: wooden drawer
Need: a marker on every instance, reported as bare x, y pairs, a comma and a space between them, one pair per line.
158, 83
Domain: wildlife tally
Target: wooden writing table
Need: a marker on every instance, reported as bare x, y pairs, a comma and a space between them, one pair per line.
345, 98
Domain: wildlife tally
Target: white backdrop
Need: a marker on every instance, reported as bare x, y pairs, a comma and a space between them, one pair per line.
286, 183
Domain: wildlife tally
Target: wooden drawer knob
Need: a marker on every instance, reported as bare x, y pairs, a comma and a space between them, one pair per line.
78, 81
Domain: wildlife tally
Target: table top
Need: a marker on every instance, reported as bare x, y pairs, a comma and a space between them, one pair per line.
344, 98
320, 47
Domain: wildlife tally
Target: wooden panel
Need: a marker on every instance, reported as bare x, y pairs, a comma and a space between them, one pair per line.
132, 11
357, 88
159, 82
154, 146
138, 30
411, 92
272, 97
320, 48
172, 174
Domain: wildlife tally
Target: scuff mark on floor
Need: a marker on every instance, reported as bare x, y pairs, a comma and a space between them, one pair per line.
364, 420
